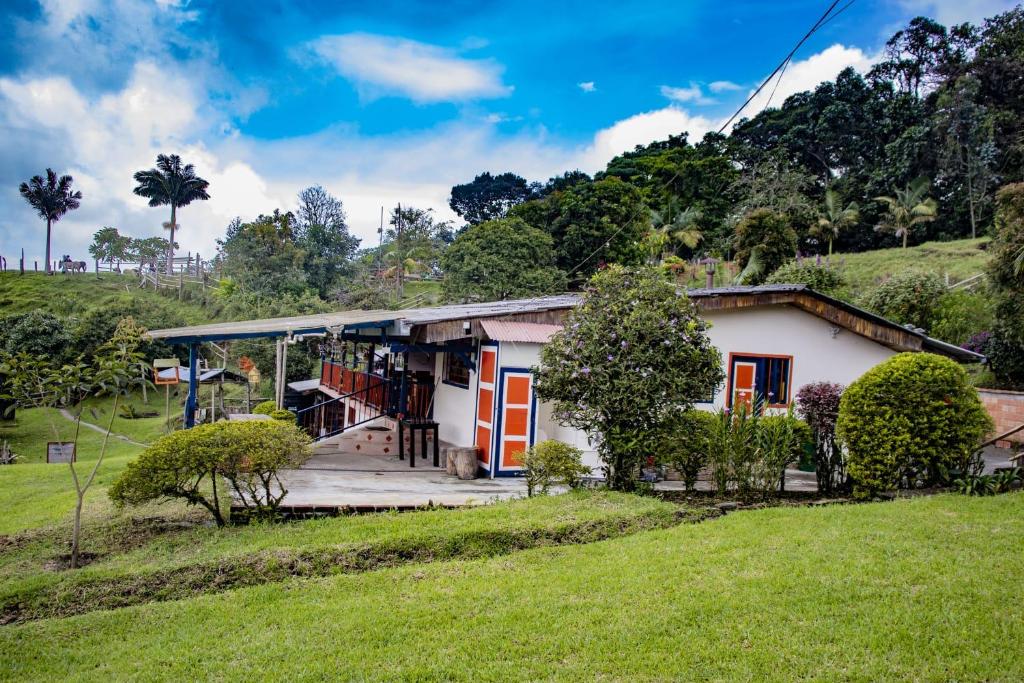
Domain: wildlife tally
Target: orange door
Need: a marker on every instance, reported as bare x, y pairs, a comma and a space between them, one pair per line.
516, 418
744, 381
485, 403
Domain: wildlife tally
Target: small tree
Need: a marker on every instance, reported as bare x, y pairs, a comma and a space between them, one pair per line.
631, 358
835, 218
552, 462
907, 208
501, 259
818, 404
108, 245
1006, 272
909, 298
914, 419
764, 241
690, 444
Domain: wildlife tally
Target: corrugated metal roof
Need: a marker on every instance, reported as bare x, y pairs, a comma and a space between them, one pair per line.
508, 331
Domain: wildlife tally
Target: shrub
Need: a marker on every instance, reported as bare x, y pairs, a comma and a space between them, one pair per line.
688, 447
914, 419
193, 464
1006, 272
764, 241
38, 334
818, 404
907, 298
749, 452
819, 277
552, 462
959, 315
283, 414
631, 358
265, 408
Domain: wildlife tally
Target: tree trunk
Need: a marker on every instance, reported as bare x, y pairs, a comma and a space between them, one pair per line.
76, 530
170, 245
905, 234
970, 204
48, 225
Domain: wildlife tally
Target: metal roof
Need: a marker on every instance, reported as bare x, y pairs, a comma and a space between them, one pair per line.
509, 331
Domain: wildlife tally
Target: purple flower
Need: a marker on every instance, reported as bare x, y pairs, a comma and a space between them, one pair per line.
585, 371
611, 357
624, 343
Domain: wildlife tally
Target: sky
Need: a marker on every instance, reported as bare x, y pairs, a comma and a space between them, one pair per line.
384, 102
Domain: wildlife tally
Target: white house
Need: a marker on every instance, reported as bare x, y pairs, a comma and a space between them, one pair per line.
466, 368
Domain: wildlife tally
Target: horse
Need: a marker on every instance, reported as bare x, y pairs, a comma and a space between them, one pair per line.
66, 264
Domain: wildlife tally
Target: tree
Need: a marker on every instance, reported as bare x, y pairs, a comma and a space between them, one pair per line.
414, 243
764, 242
52, 198
907, 208
108, 245
1006, 350
967, 146
263, 256
599, 222
489, 196
174, 184
147, 250
630, 359
500, 259
321, 232
37, 333
835, 218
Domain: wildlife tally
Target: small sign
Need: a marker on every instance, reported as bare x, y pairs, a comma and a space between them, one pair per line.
254, 375
60, 451
164, 364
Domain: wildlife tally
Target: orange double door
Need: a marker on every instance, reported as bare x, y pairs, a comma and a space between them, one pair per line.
505, 415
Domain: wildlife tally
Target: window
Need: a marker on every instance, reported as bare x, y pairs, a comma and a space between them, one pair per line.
455, 370
759, 380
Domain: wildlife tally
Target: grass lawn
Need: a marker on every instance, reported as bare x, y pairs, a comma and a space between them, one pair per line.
922, 589
182, 563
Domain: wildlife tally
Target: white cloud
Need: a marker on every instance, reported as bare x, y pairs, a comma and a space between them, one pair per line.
723, 86
950, 12
642, 129
692, 94
586, 86
387, 65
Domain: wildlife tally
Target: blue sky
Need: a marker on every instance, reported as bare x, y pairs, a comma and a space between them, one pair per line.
380, 102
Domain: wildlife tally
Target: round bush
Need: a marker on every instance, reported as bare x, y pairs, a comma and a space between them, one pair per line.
265, 408
911, 298
766, 237
688, 446
914, 419
819, 277
283, 414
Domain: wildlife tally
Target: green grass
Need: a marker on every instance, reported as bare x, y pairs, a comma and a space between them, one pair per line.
922, 589
35, 494
959, 259
182, 563
71, 295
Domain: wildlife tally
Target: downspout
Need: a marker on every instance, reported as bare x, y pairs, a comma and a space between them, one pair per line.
192, 400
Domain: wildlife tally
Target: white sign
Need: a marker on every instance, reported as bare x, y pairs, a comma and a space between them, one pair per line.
60, 451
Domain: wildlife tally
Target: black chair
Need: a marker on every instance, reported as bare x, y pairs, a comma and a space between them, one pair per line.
423, 426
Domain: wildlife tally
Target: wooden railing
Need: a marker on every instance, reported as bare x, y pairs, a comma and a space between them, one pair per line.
343, 380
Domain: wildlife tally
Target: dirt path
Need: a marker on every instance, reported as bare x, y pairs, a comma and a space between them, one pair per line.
96, 428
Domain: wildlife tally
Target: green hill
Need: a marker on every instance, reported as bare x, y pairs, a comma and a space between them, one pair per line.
72, 295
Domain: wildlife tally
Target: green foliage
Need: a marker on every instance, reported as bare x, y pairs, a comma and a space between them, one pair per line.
961, 314
818, 404
109, 245
191, 465
764, 241
911, 420
750, 451
36, 333
265, 408
500, 259
263, 256
1006, 350
171, 183
324, 238
821, 277
98, 323
910, 297
631, 358
689, 443
489, 197
552, 462
989, 484
908, 208
282, 414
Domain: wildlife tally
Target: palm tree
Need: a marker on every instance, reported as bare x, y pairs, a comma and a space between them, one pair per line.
171, 183
51, 198
834, 219
910, 206
680, 226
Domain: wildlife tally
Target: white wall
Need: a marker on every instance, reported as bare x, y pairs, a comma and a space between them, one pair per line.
821, 351
454, 407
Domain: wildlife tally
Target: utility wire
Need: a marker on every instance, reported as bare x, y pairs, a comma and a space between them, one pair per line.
824, 19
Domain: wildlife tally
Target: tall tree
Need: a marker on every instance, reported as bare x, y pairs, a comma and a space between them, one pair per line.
321, 232
51, 197
414, 243
262, 256
108, 245
907, 208
174, 184
489, 196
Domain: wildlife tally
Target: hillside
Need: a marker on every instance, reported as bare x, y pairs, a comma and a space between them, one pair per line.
72, 295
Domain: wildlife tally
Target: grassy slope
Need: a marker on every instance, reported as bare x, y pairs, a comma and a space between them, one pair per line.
916, 590
180, 562
70, 295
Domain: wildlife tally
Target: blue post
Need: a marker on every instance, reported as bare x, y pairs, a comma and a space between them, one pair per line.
193, 385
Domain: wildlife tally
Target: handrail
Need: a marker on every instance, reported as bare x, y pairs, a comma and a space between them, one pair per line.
344, 412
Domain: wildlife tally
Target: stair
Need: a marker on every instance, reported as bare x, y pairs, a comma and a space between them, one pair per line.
382, 440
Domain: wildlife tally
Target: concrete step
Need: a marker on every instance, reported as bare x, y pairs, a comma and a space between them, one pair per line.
369, 442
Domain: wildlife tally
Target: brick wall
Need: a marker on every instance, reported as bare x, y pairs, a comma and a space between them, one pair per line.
1007, 411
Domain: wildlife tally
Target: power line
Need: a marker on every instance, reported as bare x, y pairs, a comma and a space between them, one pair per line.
822, 20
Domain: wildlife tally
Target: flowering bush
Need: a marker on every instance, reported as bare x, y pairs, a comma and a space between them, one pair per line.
913, 420
978, 342
631, 358
818, 404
